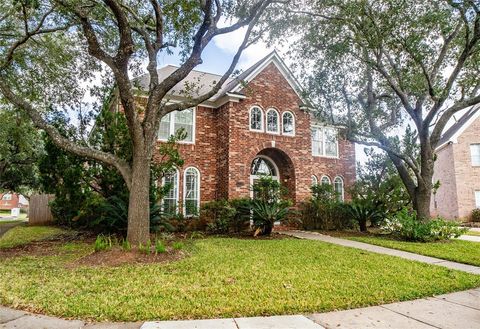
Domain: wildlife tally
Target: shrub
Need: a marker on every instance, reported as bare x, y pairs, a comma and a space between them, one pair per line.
476, 215
265, 214
241, 219
218, 216
160, 247
178, 245
363, 211
319, 214
103, 242
126, 245
408, 227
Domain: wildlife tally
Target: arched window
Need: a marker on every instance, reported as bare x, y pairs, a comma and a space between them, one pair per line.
263, 166
191, 192
338, 187
273, 124
7, 197
314, 180
288, 123
256, 119
170, 200
325, 180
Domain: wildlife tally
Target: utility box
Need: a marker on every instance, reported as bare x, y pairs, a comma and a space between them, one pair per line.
15, 212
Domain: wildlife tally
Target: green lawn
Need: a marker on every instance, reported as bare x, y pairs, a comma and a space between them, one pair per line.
5, 213
223, 277
21, 235
455, 250
5, 222
474, 233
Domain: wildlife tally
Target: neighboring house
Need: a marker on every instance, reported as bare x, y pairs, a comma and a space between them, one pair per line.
256, 124
9, 201
458, 168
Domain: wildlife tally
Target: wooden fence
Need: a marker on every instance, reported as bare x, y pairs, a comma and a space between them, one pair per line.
39, 211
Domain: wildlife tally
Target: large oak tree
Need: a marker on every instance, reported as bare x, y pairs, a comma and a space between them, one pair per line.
48, 46
395, 72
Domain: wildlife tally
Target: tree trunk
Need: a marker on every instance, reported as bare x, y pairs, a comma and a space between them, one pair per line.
138, 231
421, 202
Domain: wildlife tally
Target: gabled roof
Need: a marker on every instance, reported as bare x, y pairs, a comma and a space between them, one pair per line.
198, 83
452, 133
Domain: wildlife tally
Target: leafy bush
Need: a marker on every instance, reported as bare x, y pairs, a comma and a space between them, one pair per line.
323, 211
407, 226
218, 216
241, 219
265, 214
103, 242
475, 215
269, 204
363, 211
177, 245
160, 247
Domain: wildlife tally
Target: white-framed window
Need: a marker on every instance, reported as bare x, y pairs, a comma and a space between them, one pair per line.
191, 192
325, 142
170, 200
477, 199
325, 180
314, 180
7, 197
256, 119
273, 122
288, 123
475, 154
176, 120
338, 187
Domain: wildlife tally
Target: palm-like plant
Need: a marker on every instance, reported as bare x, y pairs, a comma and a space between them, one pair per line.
363, 211
265, 214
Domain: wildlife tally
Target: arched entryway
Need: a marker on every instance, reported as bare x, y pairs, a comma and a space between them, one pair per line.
276, 164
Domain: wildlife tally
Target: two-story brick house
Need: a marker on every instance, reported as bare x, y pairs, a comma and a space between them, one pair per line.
457, 168
9, 201
256, 124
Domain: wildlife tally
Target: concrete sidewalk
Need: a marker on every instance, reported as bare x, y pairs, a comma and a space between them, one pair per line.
382, 250
450, 311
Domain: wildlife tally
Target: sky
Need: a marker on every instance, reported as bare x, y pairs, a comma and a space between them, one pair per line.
218, 55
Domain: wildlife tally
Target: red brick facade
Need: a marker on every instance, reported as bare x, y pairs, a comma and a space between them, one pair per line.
225, 147
9, 201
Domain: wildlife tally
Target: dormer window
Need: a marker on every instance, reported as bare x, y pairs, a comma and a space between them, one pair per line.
176, 120
288, 123
256, 119
325, 142
273, 125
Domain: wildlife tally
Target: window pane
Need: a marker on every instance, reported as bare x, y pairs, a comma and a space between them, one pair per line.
317, 141
338, 186
288, 123
164, 130
192, 189
170, 201
256, 119
475, 153
272, 121
184, 119
325, 180
330, 142
314, 180
477, 199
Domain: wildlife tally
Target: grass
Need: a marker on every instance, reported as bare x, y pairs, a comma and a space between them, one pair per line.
223, 277
22, 235
473, 233
4, 213
466, 252
4, 222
